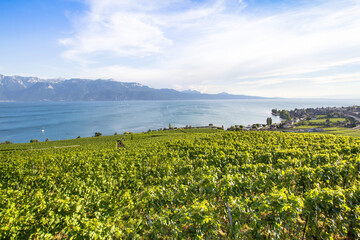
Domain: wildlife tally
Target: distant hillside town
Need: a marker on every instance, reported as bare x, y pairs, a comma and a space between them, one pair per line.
329, 116
308, 120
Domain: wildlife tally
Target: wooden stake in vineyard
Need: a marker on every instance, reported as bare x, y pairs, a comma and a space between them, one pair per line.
149, 219
229, 214
230, 219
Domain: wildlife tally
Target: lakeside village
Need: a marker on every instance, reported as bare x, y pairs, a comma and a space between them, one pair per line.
309, 120
300, 120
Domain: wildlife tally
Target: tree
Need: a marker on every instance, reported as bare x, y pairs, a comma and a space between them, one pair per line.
330, 115
284, 114
98, 134
170, 126
274, 111
269, 121
34, 140
327, 122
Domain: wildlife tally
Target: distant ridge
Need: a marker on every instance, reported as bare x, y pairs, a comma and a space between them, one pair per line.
17, 88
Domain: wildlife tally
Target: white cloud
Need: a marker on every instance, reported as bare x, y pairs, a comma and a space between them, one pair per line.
115, 28
207, 45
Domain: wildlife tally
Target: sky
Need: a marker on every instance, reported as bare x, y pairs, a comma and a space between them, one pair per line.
254, 47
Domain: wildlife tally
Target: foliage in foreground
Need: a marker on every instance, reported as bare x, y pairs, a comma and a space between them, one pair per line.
248, 185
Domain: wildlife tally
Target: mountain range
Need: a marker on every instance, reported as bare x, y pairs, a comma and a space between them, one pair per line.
17, 88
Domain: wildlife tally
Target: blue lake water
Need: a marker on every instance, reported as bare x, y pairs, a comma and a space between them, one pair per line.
20, 122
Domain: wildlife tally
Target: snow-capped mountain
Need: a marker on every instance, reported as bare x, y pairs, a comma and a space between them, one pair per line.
17, 88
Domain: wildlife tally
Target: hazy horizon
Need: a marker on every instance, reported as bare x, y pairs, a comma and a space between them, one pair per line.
292, 49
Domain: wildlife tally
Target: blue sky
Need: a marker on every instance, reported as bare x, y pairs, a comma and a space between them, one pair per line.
255, 47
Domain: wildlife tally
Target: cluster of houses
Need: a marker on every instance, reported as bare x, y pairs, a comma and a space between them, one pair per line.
294, 118
335, 112
330, 112
297, 117
304, 116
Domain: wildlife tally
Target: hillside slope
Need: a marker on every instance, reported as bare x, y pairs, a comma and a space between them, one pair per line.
183, 184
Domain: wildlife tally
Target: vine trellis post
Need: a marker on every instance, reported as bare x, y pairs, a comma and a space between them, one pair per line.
149, 219
229, 214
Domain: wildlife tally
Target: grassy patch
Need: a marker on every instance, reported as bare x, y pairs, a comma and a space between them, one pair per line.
343, 131
106, 141
323, 121
306, 127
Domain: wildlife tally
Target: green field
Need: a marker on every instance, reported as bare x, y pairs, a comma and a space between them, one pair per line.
323, 120
305, 127
182, 184
343, 131
338, 131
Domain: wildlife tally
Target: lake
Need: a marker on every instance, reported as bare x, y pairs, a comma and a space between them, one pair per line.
20, 122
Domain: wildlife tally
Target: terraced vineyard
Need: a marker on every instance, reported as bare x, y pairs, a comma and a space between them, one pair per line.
183, 184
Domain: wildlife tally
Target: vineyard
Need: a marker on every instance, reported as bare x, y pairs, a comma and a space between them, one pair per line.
183, 184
